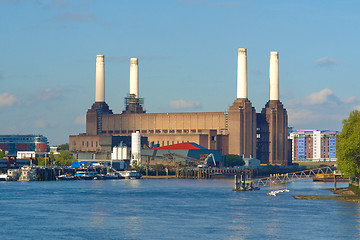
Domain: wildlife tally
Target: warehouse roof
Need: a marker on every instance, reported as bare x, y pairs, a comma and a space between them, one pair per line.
185, 145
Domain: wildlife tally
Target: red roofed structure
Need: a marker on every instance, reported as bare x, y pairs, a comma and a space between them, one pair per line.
185, 145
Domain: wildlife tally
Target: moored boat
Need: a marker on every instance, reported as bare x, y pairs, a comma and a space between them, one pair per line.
131, 174
328, 178
3, 177
86, 174
65, 177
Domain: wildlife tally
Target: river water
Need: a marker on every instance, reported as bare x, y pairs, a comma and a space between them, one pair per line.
171, 209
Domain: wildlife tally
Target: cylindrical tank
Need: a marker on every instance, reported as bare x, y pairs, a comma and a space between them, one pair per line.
136, 146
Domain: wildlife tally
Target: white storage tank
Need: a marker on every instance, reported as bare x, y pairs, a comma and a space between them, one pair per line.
135, 149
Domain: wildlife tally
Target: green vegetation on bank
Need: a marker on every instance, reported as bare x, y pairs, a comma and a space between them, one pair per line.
64, 158
232, 160
348, 146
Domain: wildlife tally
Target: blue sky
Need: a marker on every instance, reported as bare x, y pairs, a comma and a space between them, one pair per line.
187, 52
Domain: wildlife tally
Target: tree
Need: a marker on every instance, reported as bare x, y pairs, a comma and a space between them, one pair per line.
2, 154
232, 160
158, 168
348, 146
64, 146
64, 158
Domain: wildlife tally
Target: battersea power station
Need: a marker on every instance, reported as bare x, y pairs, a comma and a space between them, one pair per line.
238, 130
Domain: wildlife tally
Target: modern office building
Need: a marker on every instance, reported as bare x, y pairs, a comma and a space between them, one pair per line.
14, 143
237, 130
313, 145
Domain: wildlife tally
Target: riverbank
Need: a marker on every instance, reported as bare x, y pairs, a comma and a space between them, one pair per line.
343, 194
158, 177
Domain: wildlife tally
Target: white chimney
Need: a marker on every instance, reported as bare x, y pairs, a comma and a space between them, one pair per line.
134, 77
274, 76
100, 79
242, 74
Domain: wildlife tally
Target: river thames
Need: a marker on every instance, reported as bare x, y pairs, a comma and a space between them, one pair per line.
171, 209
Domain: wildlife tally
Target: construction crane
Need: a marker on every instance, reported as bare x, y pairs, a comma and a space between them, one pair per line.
206, 161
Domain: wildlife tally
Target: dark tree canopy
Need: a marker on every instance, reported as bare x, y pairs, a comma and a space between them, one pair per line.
64, 146
232, 160
348, 146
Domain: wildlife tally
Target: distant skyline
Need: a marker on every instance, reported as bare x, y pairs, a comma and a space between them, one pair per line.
187, 52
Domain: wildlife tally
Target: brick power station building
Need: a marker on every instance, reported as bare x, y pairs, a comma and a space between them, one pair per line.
238, 130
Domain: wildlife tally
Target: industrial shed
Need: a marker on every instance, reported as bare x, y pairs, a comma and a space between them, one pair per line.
179, 155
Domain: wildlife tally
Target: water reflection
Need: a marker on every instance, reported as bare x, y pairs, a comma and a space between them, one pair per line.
132, 225
98, 219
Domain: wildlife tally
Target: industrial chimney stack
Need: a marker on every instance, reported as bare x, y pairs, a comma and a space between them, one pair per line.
274, 76
134, 77
242, 74
100, 79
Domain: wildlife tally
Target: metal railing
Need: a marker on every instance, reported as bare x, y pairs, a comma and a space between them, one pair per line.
290, 177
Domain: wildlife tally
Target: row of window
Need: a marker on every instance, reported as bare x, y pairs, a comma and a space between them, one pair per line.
153, 131
91, 143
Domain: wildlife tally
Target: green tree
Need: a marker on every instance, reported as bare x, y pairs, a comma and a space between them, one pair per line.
2, 154
64, 146
64, 158
41, 161
232, 160
348, 146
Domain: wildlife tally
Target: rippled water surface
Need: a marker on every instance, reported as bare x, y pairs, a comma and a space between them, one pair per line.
171, 209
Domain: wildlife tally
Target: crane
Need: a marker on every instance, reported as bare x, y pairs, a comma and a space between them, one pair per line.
206, 161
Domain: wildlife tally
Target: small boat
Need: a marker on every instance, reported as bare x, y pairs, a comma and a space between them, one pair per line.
113, 175
86, 174
3, 177
131, 175
273, 193
65, 177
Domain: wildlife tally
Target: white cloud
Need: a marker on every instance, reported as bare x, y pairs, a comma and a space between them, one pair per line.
323, 110
7, 100
326, 62
183, 104
324, 96
80, 120
41, 123
46, 94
